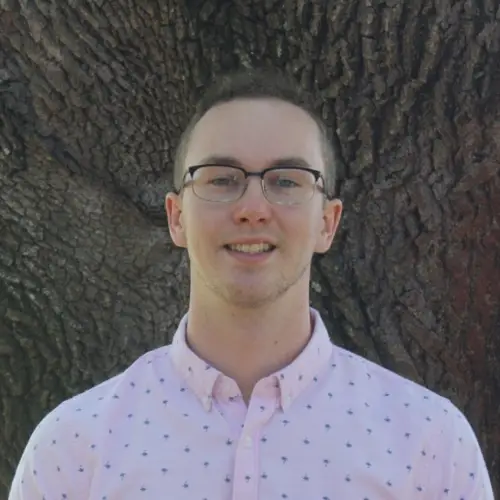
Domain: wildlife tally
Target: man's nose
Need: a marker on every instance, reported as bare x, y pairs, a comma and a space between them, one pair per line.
253, 206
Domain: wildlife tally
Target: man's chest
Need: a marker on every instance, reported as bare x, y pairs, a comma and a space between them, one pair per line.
277, 456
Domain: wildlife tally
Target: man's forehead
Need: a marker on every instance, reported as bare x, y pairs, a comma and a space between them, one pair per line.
255, 130
237, 110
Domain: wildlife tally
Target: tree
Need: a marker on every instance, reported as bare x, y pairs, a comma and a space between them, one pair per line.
93, 97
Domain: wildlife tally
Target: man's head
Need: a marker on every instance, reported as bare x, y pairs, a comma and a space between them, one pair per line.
244, 126
254, 85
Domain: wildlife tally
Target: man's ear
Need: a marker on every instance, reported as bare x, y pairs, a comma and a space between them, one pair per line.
173, 207
332, 211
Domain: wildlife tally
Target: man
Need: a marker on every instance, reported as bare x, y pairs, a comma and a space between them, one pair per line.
252, 400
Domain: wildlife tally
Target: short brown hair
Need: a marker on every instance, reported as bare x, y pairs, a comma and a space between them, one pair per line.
263, 83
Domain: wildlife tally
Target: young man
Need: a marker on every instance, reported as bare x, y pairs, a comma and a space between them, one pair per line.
252, 400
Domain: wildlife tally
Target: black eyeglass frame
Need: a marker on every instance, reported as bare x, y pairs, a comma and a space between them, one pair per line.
316, 173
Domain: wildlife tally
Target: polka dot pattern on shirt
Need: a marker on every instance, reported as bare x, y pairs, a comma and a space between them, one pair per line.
330, 425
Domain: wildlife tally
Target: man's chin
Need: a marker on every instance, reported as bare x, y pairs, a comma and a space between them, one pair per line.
249, 303
246, 296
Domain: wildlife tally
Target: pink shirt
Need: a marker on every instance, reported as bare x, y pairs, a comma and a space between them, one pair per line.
331, 425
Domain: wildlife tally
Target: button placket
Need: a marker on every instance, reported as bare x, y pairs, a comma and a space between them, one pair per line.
246, 467
247, 442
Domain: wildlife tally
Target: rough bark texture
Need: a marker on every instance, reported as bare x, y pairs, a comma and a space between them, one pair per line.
93, 97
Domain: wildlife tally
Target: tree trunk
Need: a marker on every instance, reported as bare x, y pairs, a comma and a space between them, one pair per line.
93, 98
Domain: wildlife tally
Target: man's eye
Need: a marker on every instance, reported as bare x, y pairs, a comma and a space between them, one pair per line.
284, 182
223, 181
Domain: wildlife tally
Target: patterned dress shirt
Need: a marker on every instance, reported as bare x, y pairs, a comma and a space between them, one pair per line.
329, 426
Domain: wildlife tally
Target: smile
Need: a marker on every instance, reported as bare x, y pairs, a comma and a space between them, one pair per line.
252, 248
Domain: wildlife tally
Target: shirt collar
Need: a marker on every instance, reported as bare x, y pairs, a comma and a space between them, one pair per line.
201, 378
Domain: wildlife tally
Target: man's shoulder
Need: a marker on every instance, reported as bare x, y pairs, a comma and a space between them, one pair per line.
390, 397
387, 384
416, 421
77, 431
87, 409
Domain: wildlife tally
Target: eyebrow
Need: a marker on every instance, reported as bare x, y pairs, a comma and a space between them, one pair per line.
292, 161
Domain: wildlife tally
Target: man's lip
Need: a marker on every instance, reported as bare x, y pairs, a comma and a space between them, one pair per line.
251, 242
229, 249
260, 242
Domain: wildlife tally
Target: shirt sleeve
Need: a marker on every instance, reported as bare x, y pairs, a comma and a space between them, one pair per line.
53, 464
466, 476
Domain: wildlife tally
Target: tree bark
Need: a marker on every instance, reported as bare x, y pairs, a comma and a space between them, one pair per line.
93, 98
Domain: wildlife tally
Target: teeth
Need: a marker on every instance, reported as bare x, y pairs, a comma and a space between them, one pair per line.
255, 248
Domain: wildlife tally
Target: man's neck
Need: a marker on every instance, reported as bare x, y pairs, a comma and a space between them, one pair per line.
248, 344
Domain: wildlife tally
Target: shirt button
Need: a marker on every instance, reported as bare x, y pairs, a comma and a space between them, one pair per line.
247, 442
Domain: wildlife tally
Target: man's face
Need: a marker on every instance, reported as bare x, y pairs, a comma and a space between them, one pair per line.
255, 133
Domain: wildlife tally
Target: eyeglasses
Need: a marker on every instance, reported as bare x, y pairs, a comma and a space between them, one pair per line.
281, 185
